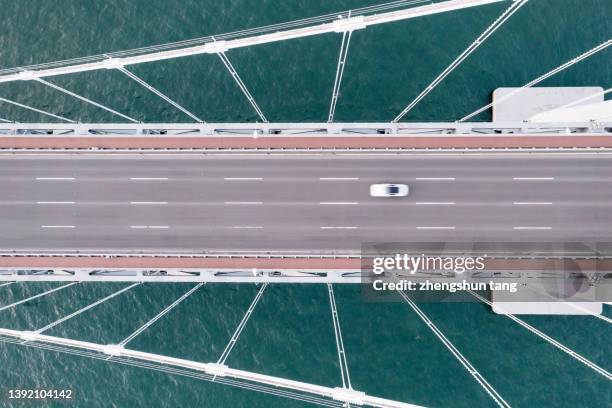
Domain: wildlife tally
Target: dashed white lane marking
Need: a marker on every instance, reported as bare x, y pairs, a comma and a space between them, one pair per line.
532, 228
57, 226
338, 203
436, 178
55, 202
148, 178
247, 227
148, 202
533, 178
436, 203
435, 228
243, 178
532, 203
243, 202
54, 178
149, 227
338, 178
332, 228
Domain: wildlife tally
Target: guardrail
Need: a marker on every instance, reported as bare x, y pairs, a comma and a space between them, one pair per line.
288, 268
354, 129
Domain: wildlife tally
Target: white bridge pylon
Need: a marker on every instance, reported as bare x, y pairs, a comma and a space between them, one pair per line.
599, 370
541, 78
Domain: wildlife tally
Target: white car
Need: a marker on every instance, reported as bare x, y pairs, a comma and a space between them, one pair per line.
389, 190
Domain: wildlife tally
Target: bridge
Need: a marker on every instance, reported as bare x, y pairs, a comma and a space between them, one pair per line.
269, 203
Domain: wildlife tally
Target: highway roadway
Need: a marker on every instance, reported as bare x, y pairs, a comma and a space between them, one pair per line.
302, 202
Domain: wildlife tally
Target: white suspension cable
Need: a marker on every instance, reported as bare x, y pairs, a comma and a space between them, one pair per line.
586, 98
514, 7
159, 315
212, 369
585, 310
176, 371
574, 305
6, 284
84, 99
21, 105
78, 312
539, 79
344, 370
344, 47
235, 383
241, 325
549, 339
235, 34
37, 296
227, 381
241, 84
6, 120
159, 93
209, 46
451, 347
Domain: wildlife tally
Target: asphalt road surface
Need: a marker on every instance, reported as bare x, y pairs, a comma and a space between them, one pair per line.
298, 202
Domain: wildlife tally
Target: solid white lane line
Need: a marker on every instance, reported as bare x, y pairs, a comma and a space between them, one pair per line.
532, 203
532, 228
55, 202
338, 178
148, 202
533, 178
54, 178
436, 203
329, 228
243, 178
57, 226
435, 228
148, 178
247, 227
138, 226
436, 178
338, 203
243, 202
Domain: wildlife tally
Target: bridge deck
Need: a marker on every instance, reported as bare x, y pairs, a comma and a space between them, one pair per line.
297, 203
